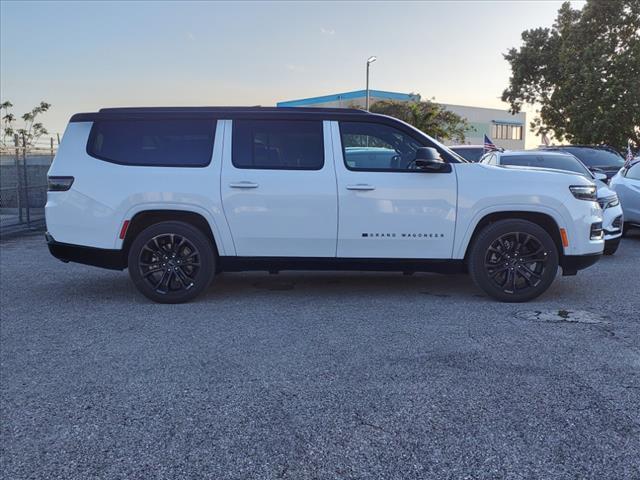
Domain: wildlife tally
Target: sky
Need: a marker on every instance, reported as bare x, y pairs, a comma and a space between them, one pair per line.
82, 56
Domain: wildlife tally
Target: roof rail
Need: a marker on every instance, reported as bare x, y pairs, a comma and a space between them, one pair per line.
229, 110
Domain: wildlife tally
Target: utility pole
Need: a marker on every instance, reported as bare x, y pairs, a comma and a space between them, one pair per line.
370, 60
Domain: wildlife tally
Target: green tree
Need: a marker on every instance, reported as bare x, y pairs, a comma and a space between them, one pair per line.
431, 118
583, 73
31, 130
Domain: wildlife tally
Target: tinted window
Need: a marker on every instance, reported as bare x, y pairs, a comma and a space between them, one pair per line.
557, 162
276, 144
595, 157
371, 146
471, 154
169, 142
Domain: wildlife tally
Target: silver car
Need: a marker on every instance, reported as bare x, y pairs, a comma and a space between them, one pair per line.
626, 183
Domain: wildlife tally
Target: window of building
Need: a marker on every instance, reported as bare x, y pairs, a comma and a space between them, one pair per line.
154, 143
372, 146
278, 144
506, 132
516, 132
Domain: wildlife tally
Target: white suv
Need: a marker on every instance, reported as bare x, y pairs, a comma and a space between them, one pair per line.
178, 194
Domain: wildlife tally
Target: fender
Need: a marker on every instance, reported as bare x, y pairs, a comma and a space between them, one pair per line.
462, 243
222, 236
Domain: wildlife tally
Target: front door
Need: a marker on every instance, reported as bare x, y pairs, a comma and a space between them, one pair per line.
279, 188
387, 208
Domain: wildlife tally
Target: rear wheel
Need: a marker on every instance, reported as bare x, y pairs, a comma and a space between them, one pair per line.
171, 262
513, 260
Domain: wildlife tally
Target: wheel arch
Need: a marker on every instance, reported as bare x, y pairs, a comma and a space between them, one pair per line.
544, 220
146, 218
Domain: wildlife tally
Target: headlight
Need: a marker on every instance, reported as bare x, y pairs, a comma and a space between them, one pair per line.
584, 192
608, 202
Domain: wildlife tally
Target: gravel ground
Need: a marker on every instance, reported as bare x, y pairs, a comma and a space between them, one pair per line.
317, 375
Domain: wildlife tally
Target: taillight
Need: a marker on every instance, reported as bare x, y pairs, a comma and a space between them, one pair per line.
59, 184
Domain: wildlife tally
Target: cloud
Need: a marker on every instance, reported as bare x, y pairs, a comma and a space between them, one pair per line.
294, 68
191, 36
327, 31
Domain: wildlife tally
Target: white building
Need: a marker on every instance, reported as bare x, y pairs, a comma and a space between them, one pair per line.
504, 129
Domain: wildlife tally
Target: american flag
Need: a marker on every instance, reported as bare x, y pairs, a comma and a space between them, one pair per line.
488, 144
629, 154
545, 139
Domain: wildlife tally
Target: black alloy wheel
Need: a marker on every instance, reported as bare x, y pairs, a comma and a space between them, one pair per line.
513, 260
171, 262
516, 261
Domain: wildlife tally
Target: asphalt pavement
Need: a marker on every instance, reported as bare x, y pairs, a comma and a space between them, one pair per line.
308, 375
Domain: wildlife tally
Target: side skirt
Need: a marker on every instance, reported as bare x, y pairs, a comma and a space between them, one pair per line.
276, 264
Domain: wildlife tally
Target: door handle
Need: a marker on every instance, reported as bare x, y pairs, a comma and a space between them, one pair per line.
361, 187
243, 185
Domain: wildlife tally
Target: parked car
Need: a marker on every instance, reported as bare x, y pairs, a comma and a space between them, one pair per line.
177, 195
471, 153
626, 183
601, 159
557, 160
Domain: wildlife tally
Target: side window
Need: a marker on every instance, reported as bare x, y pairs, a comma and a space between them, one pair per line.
633, 172
153, 143
372, 146
278, 144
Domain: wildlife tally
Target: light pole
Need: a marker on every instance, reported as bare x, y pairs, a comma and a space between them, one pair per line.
370, 60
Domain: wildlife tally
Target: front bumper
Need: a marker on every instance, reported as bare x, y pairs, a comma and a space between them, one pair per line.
97, 257
612, 222
572, 263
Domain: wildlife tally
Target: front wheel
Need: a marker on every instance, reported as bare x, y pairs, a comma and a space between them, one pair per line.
171, 262
513, 260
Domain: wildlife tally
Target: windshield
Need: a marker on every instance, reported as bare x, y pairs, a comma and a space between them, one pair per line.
596, 157
555, 161
471, 154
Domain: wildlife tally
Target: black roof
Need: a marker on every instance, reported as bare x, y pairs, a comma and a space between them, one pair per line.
217, 112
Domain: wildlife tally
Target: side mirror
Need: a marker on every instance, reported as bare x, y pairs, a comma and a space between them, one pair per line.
600, 176
428, 160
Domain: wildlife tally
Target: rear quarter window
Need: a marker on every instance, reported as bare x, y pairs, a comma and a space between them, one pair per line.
153, 143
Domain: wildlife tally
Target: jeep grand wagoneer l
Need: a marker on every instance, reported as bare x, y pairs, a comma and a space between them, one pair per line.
177, 195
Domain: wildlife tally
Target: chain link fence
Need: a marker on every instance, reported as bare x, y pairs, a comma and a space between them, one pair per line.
23, 188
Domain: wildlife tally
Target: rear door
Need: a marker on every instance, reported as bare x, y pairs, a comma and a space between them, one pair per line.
386, 208
278, 188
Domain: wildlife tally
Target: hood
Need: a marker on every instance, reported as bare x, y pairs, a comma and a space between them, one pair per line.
542, 169
603, 189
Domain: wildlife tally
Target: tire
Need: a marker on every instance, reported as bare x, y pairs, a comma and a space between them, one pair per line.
171, 262
499, 254
611, 246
